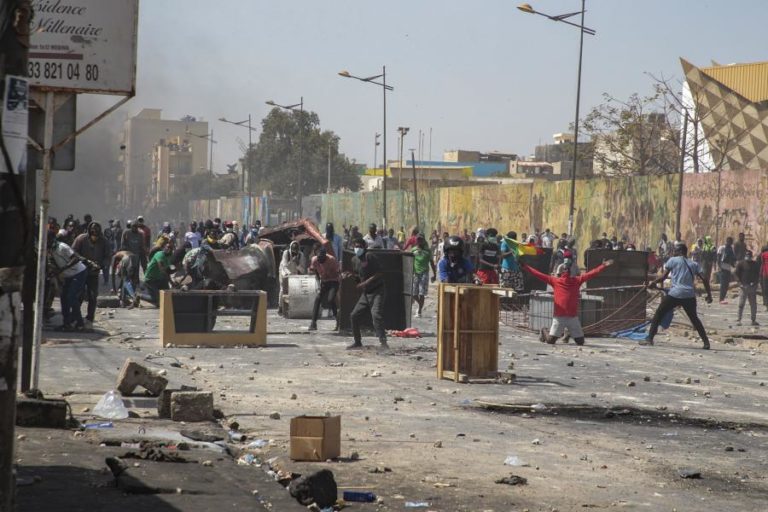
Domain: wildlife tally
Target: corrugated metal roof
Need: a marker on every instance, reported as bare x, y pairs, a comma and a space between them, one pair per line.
748, 80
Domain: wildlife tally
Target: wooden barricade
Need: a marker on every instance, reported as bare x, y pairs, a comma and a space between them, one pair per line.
467, 332
187, 318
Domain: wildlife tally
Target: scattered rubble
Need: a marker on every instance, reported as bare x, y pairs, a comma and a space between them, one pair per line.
319, 488
512, 480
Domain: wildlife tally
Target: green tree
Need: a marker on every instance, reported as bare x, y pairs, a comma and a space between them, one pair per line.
291, 140
636, 136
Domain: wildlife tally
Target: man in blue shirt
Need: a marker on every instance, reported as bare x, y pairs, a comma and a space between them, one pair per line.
682, 293
453, 267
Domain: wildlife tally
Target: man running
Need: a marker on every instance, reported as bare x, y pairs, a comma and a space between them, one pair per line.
326, 268
422, 260
682, 293
566, 298
370, 277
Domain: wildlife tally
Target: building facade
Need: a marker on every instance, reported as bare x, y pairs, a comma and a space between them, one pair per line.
154, 149
560, 155
728, 108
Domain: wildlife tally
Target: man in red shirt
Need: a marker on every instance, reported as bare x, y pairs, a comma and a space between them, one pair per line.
567, 293
326, 268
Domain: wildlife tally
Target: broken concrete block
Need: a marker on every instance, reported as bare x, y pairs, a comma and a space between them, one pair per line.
164, 403
191, 406
42, 413
164, 400
133, 375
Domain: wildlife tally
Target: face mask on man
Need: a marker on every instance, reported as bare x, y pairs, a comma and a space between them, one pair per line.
359, 251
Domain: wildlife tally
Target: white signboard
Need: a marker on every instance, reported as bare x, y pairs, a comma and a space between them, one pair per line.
84, 45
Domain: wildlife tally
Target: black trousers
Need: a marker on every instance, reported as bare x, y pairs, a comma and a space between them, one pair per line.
669, 303
91, 294
153, 291
725, 281
327, 295
375, 303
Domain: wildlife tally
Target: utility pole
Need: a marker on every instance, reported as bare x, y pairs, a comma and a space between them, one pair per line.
403, 130
15, 18
330, 144
415, 192
376, 144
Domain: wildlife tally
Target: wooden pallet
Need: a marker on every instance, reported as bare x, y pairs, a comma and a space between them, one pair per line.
187, 318
467, 332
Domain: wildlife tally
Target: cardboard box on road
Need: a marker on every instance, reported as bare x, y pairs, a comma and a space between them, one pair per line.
315, 438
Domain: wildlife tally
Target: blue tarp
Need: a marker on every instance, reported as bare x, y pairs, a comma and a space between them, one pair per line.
639, 331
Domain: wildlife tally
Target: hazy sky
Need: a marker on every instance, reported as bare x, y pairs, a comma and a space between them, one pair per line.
481, 74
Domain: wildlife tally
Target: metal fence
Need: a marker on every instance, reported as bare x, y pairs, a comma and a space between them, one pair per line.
602, 311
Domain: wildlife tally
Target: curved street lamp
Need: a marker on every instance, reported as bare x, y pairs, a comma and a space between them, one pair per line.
563, 18
299, 188
246, 185
385, 88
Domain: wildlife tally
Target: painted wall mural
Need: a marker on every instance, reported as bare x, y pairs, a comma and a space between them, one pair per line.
639, 207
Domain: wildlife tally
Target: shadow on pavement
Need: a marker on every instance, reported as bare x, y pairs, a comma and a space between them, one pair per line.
72, 488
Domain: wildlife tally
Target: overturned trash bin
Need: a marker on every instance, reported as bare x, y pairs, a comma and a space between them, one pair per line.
300, 300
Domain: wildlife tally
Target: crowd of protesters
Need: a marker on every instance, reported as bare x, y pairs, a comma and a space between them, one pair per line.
80, 252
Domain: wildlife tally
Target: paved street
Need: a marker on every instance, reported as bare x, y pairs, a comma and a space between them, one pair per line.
620, 420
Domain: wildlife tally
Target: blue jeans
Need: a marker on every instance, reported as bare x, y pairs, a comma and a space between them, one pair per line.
70, 298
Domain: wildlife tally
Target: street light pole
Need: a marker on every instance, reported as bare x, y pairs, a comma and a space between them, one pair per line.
384, 150
247, 182
376, 149
330, 144
572, 207
385, 88
299, 185
403, 130
582, 30
208, 137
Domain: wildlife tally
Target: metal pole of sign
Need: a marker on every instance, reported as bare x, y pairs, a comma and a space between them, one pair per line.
42, 245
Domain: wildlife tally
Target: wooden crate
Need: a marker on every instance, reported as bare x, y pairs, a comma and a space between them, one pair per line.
187, 318
467, 332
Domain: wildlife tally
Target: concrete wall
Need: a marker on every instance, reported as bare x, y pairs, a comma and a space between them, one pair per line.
641, 207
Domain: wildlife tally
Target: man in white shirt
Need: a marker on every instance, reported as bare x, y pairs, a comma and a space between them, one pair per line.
193, 236
547, 239
373, 239
68, 267
293, 262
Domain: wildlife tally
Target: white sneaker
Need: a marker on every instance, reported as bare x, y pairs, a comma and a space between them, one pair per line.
418, 315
